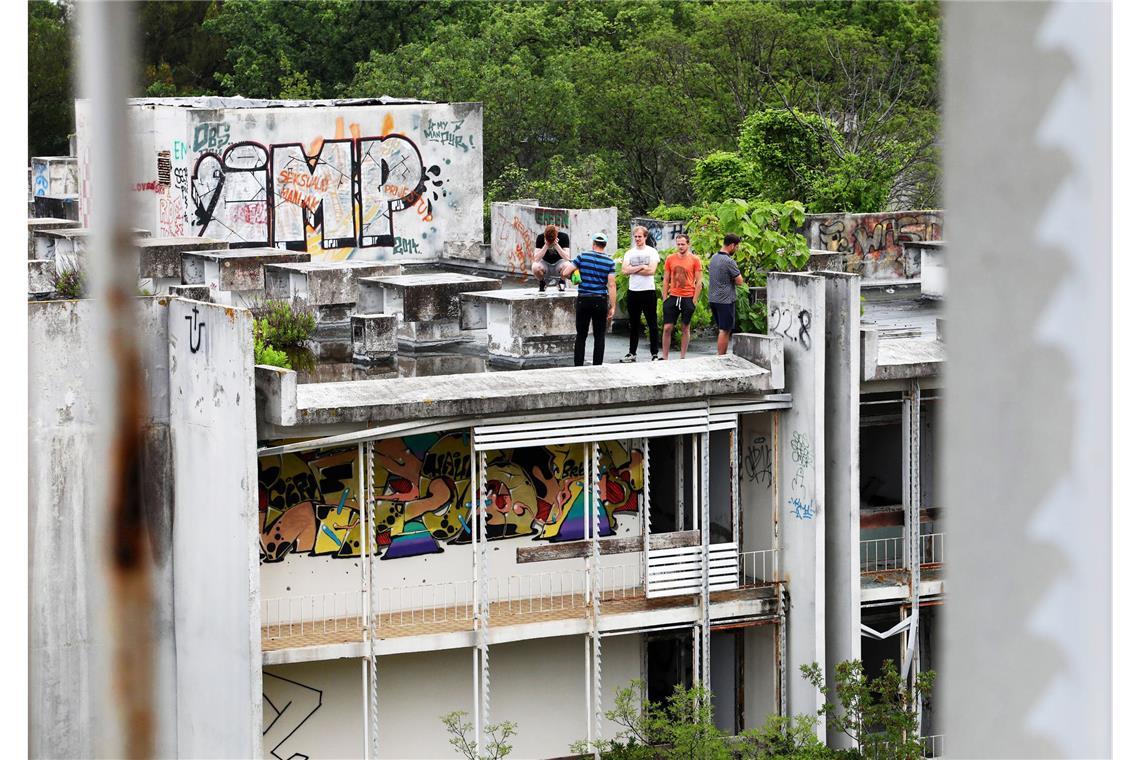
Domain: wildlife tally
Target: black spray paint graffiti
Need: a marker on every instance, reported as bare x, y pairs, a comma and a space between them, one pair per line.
255, 195
195, 341
758, 462
780, 320
291, 704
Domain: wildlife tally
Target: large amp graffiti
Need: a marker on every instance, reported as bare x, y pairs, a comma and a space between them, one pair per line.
345, 192
422, 491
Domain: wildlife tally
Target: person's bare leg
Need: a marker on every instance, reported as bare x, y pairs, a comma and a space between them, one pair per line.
667, 340
722, 342
684, 340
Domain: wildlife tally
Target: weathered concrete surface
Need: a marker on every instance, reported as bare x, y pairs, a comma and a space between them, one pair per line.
236, 269
37, 245
373, 337
819, 261
391, 180
161, 258
525, 390
41, 276
190, 292
54, 175
276, 392
909, 358
515, 228
932, 267
797, 312
471, 250
765, 351
67, 246
56, 206
321, 283
523, 323
428, 305
216, 563
65, 562
841, 478
872, 243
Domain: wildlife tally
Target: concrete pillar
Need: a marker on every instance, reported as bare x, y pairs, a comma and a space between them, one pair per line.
841, 475
796, 312
216, 563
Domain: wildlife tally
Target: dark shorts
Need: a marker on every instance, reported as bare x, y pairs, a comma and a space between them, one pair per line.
724, 315
678, 306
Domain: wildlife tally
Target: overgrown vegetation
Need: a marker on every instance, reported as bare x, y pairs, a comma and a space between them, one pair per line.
624, 103
278, 327
880, 715
70, 283
496, 744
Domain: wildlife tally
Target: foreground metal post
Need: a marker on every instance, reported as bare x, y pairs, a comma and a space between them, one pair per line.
124, 627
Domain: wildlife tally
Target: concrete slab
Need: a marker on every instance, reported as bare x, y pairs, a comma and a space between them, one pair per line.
524, 324
235, 269
487, 394
161, 258
427, 304
322, 283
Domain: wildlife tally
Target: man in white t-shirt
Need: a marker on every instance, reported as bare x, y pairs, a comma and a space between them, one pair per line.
640, 265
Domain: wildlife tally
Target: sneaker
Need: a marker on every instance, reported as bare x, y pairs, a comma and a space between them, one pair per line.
655, 358
561, 285
542, 285
628, 358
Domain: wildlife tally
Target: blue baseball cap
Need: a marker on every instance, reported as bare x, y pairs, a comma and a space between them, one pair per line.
601, 238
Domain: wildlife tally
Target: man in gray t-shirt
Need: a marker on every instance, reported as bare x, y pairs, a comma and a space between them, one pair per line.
724, 276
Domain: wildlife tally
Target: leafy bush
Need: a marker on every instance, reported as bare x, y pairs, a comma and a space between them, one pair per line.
786, 149
769, 236
721, 175
854, 183
285, 324
674, 213
70, 283
264, 353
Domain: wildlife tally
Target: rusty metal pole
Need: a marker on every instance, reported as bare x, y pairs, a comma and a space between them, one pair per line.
125, 610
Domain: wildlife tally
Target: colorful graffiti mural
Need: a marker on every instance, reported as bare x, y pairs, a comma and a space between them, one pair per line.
422, 491
873, 242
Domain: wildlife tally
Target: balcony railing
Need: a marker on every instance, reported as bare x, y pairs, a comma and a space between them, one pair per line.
757, 568
877, 748
879, 554
309, 614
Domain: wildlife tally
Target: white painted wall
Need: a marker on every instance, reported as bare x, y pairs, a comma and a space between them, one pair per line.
314, 709
213, 429
796, 307
261, 152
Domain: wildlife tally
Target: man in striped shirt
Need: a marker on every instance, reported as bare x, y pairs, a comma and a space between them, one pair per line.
597, 298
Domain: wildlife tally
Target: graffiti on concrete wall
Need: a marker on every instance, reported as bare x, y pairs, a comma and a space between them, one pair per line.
287, 705
515, 229
338, 193
422, 490
662, 234
873, 243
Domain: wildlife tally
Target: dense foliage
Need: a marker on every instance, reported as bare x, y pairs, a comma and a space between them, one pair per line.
880, 715
623, 103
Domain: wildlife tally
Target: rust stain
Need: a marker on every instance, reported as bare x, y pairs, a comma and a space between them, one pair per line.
230, 313
129, 551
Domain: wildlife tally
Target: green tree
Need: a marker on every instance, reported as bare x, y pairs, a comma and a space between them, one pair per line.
721, 175
180, 55
787, 149
497, 745
51, 112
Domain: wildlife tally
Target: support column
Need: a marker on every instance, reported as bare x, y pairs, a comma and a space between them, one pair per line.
912, 506
796, 312
595, 501
484, 606
702, 475
841, 476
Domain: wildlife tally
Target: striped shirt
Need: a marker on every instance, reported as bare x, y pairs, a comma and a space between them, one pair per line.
595, 269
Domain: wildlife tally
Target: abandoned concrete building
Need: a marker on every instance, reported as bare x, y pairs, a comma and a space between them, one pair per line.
436, 513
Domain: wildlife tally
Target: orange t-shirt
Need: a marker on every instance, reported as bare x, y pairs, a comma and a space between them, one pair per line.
683, 273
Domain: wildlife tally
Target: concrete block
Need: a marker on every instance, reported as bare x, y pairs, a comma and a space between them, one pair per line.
869, 351
431, 297
161, 258
54, 175
829, 260
37, 244
237, 269
933, 273
940, 328
276, 391
320, 283
190, 292
373, 337
526, 324
41, 276
765, 351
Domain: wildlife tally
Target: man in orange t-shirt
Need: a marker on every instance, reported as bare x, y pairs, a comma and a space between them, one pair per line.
682, 287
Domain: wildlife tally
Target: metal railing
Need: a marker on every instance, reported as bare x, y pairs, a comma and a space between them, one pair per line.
757, 568
538, 592
933, 548
877, 748
330, 612
427, 603
932, 745
879, 554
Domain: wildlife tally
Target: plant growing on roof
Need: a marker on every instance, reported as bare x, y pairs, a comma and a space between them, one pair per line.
70, 283
286, 324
